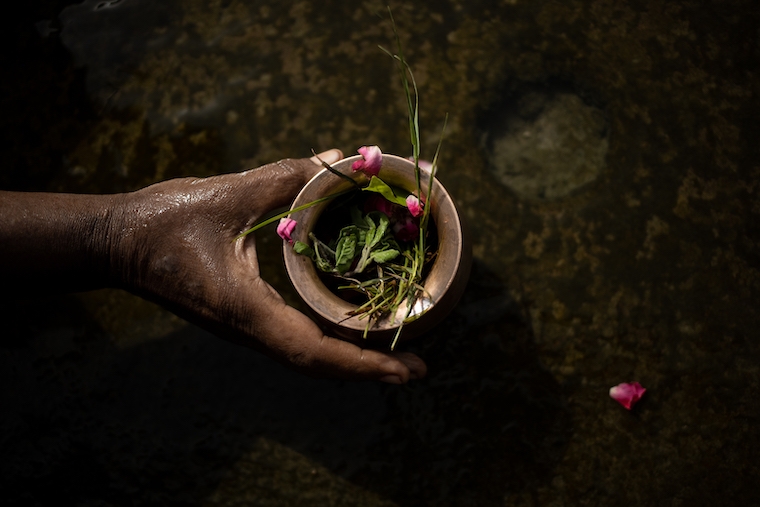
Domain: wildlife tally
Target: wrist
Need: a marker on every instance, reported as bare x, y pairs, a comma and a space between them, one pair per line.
125, 242
59, 241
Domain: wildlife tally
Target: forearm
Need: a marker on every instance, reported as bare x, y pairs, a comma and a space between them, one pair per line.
59, 242
174, 243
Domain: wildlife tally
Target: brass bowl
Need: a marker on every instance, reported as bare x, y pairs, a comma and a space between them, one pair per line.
443, 285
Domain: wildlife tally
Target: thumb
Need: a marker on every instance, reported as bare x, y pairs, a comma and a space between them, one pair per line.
276, 184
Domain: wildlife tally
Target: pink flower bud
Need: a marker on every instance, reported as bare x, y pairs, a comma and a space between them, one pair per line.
627, 394
371, 161
414, 205
285, 229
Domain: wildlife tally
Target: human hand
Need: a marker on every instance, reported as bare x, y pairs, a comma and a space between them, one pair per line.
174, 243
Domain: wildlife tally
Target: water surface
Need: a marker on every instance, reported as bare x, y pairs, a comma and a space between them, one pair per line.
605, 154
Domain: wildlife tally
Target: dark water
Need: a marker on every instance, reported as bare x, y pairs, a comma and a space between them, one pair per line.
605, 154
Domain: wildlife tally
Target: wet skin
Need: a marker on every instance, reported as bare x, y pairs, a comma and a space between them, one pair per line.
174, 243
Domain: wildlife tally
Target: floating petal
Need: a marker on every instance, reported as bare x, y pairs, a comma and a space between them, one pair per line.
627, 393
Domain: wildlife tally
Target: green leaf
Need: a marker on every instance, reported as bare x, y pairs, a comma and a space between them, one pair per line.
354, 230
381, 256
303, 249
379, 186
389, 243
323, 264
324, 257
383, 224
377, 231
345, 253
378, 240
371, 228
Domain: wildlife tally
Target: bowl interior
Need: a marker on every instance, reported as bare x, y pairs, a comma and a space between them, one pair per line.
329, 306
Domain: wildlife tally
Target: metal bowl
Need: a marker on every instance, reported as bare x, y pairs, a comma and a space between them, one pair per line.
443, 285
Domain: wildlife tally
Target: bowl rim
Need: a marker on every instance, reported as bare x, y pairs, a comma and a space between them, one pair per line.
442, 275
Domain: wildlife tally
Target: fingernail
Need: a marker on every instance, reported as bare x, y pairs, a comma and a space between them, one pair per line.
417, 367
329, 156
391, 379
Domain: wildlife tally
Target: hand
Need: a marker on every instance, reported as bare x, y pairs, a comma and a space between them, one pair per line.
174, 243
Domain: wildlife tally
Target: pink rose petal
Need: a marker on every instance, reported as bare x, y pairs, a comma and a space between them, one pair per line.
627, 394
371, 162
285, 229
414, 205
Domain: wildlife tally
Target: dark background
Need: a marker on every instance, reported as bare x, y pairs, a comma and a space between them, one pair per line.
643, 268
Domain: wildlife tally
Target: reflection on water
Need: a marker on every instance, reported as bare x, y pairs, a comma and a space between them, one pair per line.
605, 156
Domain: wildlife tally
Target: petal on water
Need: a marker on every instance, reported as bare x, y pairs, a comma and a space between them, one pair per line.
627, 393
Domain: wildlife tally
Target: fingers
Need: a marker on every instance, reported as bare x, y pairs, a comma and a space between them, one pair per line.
290, 336
298, 341
417, 367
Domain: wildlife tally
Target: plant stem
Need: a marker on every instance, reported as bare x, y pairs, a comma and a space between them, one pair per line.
288, 212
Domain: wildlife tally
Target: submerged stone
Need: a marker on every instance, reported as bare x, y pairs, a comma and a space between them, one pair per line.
548, 145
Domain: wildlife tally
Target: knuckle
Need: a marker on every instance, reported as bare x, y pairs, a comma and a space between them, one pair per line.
302, 359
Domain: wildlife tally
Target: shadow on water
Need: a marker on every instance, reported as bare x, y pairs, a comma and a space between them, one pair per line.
87, 421
488, 421
56, 138
44, 104
167, 422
